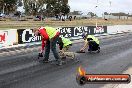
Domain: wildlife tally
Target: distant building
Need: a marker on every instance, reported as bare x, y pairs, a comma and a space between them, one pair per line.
117, 16
78, 15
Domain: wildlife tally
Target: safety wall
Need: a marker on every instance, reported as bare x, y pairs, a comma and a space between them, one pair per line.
119, 29
8, 37
22, 36
27, 35
76, 32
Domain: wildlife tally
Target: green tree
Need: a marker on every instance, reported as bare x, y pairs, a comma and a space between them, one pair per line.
8, 6
55, 7
65, 9
19, 3
92, 14
34, 7
47, 7
1, 5
106, 13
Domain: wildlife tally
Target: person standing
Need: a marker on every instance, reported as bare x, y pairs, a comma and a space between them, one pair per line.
51, 36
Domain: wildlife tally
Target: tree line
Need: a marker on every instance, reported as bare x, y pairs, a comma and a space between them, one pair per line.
36, 7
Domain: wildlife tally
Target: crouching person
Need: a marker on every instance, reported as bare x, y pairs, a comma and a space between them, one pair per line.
64, 46
91, 42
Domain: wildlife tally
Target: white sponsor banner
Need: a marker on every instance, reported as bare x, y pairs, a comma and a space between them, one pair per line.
31, 38
27, 36
114, 29
8, 37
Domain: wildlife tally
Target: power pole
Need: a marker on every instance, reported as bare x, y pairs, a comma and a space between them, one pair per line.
110, 9
110, 15
96, 13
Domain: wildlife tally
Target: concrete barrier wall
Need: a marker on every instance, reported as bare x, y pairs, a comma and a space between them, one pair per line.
119, 29
26, 36
8, 37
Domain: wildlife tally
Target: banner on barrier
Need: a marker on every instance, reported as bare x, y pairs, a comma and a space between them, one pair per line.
3, 37
27, 35
8, 37
78, 31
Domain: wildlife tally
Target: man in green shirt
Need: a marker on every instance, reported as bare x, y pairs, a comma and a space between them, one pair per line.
64, 45
91, 42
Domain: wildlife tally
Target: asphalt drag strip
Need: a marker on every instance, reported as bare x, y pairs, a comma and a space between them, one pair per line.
24, 71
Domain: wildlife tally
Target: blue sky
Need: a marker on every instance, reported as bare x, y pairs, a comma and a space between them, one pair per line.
103, 6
